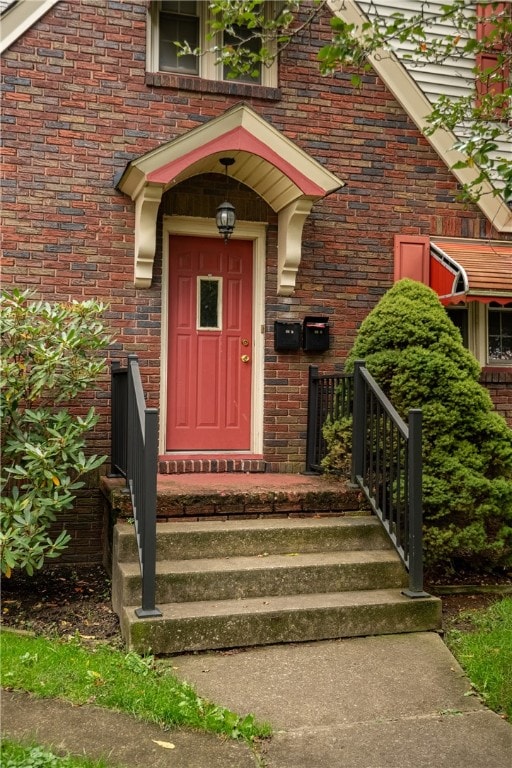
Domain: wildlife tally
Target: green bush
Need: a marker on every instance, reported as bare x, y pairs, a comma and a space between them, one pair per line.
416, 355
48, 359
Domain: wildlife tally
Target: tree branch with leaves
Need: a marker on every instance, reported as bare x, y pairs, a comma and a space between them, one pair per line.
50, 356
481, 120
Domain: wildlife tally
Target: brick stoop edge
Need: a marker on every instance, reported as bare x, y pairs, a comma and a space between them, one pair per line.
183, 466
240, 504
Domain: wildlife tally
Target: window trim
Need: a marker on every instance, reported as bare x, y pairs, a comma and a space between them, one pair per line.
494, 363
478, 334
210, 279
208, 69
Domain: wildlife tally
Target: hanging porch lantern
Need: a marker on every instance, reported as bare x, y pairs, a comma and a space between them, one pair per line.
225, 217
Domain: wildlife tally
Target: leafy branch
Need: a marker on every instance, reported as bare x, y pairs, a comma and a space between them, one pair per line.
480, 120
50, 355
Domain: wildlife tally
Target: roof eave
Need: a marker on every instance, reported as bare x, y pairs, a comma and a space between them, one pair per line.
19, 17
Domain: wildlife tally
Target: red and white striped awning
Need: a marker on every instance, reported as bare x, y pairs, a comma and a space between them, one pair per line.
471, 270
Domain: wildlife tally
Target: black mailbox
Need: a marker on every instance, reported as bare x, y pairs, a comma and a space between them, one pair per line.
315, 334
286, 336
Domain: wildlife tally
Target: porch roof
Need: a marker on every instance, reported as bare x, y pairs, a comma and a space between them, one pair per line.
285, 176
471, 270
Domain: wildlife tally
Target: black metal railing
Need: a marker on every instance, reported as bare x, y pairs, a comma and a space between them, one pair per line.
387, 465
118, 420
135, 457
386, 456
329, 397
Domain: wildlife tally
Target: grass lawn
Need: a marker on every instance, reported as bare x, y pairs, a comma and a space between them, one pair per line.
117, 680
485, 654
138, 686
13, 755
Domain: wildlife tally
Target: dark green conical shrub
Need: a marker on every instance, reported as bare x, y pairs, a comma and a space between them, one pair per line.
416, 354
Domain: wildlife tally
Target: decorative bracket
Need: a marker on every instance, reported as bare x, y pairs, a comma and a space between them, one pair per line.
147, 203
290, 224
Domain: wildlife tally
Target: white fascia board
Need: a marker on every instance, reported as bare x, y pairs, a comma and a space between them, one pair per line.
408, 94
19, 17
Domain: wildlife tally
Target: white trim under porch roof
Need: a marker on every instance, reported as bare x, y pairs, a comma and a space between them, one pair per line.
285, 176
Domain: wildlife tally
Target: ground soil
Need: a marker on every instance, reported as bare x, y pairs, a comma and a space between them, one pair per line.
61, 601
67, 601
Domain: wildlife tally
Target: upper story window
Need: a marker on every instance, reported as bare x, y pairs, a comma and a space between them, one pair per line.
252, 44
177, 21
171, 21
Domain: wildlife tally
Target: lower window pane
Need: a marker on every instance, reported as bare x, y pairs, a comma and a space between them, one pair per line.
459, 317
172, 29
500, 335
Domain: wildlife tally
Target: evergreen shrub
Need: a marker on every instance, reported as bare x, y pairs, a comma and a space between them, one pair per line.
416, 355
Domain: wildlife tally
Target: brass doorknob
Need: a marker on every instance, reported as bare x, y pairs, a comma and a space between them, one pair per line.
245, 358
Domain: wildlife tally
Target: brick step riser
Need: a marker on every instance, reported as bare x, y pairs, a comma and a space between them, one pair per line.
367, 534
239, 506
213, 466
192, 587
207, 633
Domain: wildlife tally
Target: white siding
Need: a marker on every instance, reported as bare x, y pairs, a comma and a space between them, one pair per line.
452, 77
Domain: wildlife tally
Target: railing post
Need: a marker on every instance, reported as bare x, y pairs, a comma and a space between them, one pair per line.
148, 566
118, 419
358, 424
115, 366
312, 418
415, 493
131, 409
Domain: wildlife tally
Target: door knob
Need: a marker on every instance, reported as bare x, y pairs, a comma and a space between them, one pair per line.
245, 358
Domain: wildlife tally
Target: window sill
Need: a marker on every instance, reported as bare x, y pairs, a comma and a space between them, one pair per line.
200, 85
496, 374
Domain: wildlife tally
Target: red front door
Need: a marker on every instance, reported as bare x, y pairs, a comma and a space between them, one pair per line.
210, 344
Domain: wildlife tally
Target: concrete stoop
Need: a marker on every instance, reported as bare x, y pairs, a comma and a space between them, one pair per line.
235, 583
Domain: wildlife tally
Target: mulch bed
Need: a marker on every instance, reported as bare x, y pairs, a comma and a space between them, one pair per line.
61, 601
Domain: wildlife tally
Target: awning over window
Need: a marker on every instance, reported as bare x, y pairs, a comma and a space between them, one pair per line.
471, 270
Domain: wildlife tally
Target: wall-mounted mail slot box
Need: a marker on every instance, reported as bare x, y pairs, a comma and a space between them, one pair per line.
315, 334
286, 336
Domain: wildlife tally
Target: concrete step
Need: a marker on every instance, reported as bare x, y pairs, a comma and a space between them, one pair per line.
246, 577
223, 584
215, 538
206, 625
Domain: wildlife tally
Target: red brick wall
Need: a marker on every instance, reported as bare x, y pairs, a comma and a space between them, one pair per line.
78, 106
87, 524
499, 383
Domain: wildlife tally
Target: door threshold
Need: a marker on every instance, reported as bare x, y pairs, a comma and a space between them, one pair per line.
181, 463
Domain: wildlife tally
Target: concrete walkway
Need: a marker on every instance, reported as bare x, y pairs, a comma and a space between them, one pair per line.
396, 701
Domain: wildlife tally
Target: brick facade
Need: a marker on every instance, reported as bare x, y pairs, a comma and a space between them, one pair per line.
78, 106
499, 383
